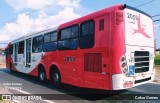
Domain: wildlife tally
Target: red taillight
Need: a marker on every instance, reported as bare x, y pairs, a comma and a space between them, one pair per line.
119, 17
122, 59
123, 65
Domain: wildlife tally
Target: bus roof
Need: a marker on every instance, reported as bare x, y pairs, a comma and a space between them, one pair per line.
91, 16
76, 21
79, 20
34, 34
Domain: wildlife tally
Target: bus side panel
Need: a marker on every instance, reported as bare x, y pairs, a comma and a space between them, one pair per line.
100, 79
68, 66
8, 62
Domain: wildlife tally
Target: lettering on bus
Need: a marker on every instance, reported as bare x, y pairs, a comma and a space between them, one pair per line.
132, 16
69, 59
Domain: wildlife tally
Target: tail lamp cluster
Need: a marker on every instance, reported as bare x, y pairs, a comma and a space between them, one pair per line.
123, 65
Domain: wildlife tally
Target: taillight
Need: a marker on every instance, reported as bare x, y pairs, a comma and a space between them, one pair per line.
122, 59
123, 65
119, 17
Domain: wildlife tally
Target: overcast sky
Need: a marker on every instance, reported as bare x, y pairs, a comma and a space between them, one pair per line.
21, 17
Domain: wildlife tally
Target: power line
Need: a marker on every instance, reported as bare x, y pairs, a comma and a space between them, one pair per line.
156, 20
146, 3
156, 15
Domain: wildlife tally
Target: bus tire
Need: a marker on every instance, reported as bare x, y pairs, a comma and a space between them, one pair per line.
41, 74
56, 78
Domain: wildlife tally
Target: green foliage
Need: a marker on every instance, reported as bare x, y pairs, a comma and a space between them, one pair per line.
157, 60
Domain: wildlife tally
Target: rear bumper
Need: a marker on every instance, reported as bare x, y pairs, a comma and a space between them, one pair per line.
119, 81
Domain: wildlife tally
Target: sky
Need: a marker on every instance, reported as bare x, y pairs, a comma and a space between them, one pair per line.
22, 17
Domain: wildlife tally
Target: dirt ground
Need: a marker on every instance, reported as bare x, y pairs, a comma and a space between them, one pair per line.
157, 76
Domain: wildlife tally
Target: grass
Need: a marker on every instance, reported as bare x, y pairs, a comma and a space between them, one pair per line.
157, 63
157, 57
157, 60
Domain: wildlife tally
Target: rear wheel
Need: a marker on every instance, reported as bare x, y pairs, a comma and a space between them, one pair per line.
42, 74
56, 78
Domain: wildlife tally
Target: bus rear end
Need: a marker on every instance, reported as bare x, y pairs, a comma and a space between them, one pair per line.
137, 62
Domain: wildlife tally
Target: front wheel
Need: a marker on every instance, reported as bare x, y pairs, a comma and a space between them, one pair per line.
56, 78
42, 74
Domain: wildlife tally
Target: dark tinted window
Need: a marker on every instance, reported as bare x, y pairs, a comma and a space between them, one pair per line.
37, 44
68, 44
74, 32
68, 38
85, 29
11, 49
21, 47
54, 36
47, 38
50, 42
7, 52
91, 28
87, 35
65, 33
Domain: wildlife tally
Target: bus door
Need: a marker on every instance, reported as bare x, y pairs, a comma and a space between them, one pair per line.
28, 51
15, 53
37, 53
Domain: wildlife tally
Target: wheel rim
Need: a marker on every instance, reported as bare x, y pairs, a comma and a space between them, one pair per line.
42, 75
56, 77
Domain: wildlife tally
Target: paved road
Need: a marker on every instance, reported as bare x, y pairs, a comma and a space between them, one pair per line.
30, 85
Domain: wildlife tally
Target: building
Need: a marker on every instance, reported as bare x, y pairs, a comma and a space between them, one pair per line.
2, 51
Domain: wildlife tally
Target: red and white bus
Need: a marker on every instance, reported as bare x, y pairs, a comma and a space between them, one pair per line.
110, 49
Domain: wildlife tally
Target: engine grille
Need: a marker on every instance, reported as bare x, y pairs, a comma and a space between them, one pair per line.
141, 61
142, 80
93, 62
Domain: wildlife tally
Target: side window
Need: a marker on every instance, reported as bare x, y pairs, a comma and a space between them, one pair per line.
47, 38
66, 33
11, 49
87, 34
68, 39
53, 36
74, 33
21, 47
7, 52
101, 24
50, 42
37, 44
